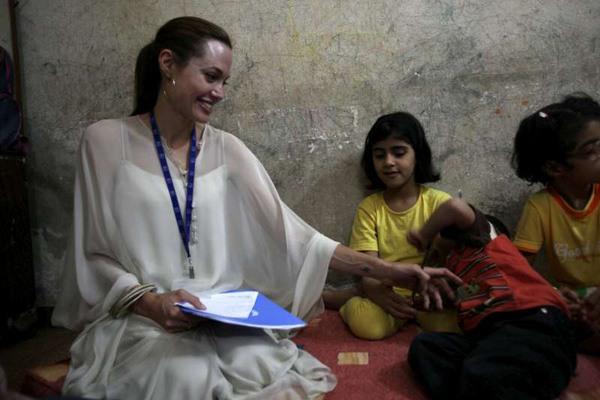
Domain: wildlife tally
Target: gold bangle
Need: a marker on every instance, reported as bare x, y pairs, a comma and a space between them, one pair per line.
122, 306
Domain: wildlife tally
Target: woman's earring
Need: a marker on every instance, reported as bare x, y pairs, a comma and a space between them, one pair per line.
173, 82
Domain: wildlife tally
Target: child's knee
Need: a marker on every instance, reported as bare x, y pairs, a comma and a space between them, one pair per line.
367, 320
420, 346
415, 351
477, 381
479, 378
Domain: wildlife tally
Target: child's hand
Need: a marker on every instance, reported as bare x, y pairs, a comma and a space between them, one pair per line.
385, 297
591, 306
415, 238
573, 302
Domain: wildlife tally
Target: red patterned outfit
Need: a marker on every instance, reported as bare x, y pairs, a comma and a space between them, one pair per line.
518, 342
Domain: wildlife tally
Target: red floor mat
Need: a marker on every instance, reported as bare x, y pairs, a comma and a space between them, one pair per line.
378, 369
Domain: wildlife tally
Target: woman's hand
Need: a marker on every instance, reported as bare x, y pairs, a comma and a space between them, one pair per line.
410, 276
161, 309
439, 287
427, 282
385, 297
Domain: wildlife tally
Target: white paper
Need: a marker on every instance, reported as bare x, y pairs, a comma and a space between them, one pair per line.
231, 304
265, 313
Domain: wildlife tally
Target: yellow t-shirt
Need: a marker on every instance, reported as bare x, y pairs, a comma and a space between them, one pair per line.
571, 238
377, 228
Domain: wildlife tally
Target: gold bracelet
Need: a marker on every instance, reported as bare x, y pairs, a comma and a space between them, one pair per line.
122, 306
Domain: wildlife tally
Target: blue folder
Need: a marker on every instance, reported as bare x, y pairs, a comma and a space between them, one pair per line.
265, 314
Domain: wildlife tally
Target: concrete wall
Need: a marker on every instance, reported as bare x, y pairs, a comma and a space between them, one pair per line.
5, 34
309, 79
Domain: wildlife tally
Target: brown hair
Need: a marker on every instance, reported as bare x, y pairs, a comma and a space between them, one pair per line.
186, 37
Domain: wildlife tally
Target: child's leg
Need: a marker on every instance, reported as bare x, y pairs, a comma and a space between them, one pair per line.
524, 355
367, 320
587, 337
436, 359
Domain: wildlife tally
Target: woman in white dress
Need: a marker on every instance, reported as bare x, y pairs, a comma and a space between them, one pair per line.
166, 204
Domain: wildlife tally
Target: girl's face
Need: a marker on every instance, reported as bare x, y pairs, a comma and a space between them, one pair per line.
394, 161
199, 84
585, 158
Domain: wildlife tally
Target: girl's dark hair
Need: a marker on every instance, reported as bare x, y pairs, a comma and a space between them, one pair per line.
186, 37
550, 134
404, 126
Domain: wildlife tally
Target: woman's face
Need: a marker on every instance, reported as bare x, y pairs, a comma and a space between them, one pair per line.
394, 161
199, 84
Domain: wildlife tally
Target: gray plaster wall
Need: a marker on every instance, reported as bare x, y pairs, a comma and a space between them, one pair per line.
309, 79
5, 34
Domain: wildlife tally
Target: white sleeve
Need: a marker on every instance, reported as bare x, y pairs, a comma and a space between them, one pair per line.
305, 253
93, 276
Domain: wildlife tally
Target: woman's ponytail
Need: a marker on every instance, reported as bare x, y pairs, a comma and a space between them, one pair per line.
147, 80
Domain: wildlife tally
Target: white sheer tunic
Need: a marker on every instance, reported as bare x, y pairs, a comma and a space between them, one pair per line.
125, 234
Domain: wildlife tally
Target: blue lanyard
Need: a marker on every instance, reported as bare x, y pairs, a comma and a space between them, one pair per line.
184, 228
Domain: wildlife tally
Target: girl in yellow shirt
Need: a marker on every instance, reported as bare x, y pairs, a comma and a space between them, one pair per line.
559, 147
397, 161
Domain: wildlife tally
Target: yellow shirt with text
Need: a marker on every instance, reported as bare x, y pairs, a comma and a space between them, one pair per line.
571, 238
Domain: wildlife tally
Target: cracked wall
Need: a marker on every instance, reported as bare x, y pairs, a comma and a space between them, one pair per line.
309, 79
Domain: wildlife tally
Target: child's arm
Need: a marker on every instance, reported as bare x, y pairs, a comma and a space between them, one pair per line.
413, 276
575, 304
529, 238
454, 212
592, 310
